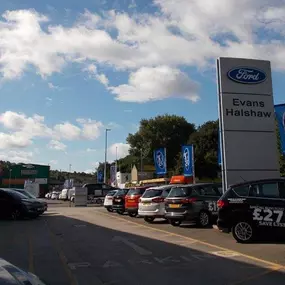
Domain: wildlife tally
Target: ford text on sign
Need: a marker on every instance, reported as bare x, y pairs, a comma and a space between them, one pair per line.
247, 75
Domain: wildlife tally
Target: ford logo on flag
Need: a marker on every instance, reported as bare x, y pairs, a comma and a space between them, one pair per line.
160, 159
247, 75
186, 157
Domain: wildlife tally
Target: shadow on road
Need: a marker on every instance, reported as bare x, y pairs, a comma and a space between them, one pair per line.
63, 250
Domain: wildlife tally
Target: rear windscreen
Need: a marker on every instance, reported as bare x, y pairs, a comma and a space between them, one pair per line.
111, 193
136, 191
152, 193
180, 192
122, 192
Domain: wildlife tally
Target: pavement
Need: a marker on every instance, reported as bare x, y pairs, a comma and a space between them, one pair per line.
86, 246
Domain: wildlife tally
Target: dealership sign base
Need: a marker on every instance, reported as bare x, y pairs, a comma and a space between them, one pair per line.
247, 121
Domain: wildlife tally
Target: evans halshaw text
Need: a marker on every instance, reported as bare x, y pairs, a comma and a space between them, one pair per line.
240, 112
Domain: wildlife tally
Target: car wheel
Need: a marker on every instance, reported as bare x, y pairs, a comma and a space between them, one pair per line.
149, 219
204, 219
132, 214
243, 231
175, 223
120, 212
110, 210
15, 215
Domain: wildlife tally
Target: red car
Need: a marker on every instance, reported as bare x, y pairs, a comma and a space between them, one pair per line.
132, 200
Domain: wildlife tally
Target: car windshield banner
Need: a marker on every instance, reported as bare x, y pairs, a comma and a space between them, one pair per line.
280, 116
159, 157
188, 160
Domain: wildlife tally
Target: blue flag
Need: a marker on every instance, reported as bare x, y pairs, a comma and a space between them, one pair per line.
280, 116
159, 157
100, 176
188, 160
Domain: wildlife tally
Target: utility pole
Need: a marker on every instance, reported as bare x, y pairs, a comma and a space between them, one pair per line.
106, 144
10, 170
141, 160
116, 167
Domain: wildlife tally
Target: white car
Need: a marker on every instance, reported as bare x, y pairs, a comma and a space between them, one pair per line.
152, 205
54, 195
108, 201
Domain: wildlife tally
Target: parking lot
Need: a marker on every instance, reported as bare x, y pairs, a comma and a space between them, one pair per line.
70, 245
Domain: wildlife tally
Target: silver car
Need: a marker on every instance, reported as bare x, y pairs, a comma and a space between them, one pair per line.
152, 204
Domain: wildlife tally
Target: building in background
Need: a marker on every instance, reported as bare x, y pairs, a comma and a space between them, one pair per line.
19, 173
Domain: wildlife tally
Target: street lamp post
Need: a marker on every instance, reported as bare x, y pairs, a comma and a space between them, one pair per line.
10, 177
105, 165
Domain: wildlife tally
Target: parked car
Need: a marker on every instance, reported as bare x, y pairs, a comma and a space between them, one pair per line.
31, 196
251, 206
119, 201
193, 202
108, 201
151, 204
11, 274
55, 195
48, 195
15, 205
132, 200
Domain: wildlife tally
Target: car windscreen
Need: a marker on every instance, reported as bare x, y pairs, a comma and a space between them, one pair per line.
180, 192
16, 194
122, 192
26, 193
149, 193
137, 191
111, 193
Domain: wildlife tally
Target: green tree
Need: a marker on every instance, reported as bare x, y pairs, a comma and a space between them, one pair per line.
168, 131
205, 141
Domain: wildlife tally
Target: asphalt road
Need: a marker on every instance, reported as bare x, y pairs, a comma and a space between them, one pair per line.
90, 246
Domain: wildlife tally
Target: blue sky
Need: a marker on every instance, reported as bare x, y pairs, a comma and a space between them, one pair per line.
70, 69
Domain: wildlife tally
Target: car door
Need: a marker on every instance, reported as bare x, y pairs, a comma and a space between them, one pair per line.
267, 203
210, 195
5, 204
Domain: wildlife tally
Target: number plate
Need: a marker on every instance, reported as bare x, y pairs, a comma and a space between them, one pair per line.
174, 205
131, 200
146, 203
118, 200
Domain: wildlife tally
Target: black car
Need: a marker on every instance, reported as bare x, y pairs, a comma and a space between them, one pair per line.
119, 201
248, 207
29, 195
15, 205
193, 202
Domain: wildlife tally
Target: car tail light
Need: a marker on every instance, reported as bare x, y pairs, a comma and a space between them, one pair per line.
188, 200
222, 204
158, 200
110, 198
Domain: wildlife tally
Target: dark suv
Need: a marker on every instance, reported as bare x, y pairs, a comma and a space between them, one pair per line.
119, 201
250, 206
193, 202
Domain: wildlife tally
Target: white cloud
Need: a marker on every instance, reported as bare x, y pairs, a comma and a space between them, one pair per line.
150, 84
56, 145
16, 156
119, 149
189, 33
91, 150
92, 70
53, 162
52, 86
23, 129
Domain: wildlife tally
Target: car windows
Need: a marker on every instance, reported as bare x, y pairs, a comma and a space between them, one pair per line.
241, 190
149, 193
180, 192
207, 190
265, 190
165, 193
111, 193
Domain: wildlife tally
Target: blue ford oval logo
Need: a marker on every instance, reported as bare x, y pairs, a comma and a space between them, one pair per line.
186, 157
160, 159
247, 75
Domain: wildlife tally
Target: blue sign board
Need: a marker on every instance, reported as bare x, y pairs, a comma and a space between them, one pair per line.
100, 176
159, 157
188, 160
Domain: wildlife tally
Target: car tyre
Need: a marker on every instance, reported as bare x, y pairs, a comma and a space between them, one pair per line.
243, 231
120, 212
132, 214
204, 219
110, 210
149, 219
175, 223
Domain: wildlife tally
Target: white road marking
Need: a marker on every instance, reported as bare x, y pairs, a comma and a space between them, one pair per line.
132, 245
